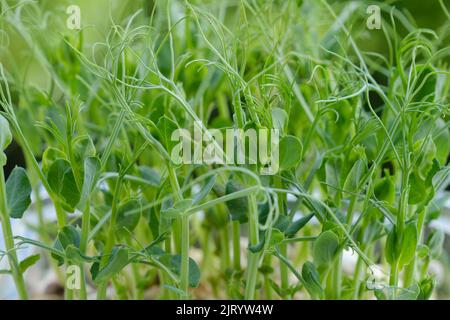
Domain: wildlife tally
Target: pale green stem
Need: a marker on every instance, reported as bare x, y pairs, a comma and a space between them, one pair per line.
184, 274
9, 241
85, 226
252, 268
236, 245
101, 293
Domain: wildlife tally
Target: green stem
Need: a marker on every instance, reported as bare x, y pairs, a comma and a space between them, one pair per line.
85, 226
252, 268
408, 276
284, 270
337, 268
403, 206
38, 205
68, 294
357, 278
167, 293
283, 246
393, 277
337, 276
184, 274
360, 270
236, 245
284, 260
61, 218
267, 284
410, 269
225, 247
184, 280
350, 210
176, 234
9, 241
329, 280
138, 293
113, 137
300, 239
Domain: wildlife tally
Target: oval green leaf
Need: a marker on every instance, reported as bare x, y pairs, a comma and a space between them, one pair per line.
325, 248
18, 190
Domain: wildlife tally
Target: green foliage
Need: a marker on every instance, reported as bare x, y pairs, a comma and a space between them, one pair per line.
128, 217
116, 262
312, 280
62, 181
325, 248
363, 149
29, 262
5, 139
290, 152
238, 207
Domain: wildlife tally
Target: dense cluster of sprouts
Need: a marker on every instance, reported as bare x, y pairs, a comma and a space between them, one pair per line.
362, 154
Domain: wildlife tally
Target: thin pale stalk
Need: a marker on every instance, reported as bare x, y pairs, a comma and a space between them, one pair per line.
252, 268
9, 242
